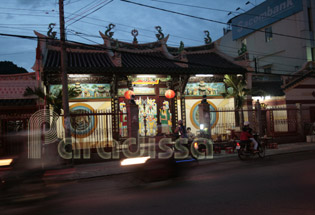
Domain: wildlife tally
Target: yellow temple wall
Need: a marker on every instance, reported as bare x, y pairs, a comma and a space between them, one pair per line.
222, 119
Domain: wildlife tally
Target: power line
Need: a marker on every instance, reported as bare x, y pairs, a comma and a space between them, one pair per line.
260, 53
189, 63
264, 54
21, 14
2, 54
211, 20
92, 12
73, 2
24, 24
24, 9
255, 52
18, 28
101, 47
86, 7
221, 10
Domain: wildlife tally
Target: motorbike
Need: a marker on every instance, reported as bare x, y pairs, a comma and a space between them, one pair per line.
19, 184
244, 149
149, 170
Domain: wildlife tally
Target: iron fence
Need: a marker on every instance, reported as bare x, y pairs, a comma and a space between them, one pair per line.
94, 129
272, 121
89, 129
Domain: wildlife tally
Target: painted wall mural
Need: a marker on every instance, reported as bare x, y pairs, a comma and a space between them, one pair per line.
123, 131
166, 118
202, 88
85, 91
147, 80
162, 91
144, 91
138, 91
194, 115
121, 92
82, 126
147, 116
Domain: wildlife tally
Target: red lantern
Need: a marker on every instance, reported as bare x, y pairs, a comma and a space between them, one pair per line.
169, 94
128, 94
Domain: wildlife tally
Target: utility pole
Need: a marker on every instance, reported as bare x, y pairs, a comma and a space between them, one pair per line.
64, 75
256, 69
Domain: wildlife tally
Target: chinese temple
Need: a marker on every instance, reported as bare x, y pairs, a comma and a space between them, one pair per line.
168, 82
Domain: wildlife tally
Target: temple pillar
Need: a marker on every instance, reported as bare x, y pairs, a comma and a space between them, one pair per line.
183, 108
115, 119
204, 119
133, 120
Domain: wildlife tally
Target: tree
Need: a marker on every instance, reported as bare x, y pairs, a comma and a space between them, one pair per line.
8, 67
54, 100
236, 88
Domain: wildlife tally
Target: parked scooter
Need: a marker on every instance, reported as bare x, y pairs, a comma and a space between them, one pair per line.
244, 149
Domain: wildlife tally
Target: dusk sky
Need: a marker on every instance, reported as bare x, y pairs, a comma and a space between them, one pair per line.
22, 17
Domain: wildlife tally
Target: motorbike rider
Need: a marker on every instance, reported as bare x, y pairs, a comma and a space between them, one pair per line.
191, 136
246, 135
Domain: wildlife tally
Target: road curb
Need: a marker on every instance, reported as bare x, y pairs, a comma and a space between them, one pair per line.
216, 159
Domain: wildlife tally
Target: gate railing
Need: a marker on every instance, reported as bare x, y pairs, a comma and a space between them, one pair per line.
273, 121
89, 129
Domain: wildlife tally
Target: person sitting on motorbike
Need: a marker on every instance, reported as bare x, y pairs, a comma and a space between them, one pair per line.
246, 135
181, 130
191, 136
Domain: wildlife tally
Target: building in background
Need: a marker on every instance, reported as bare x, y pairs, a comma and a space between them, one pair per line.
15, 109
275, 37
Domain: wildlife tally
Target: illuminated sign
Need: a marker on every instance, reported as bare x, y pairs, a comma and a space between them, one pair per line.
264, 14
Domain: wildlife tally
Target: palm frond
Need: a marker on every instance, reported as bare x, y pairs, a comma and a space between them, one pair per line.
34, 92
54, 100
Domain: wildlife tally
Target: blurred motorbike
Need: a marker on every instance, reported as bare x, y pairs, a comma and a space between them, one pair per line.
19, 184
148, 170
244, 149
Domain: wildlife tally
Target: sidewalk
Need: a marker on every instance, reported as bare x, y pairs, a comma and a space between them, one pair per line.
84, 171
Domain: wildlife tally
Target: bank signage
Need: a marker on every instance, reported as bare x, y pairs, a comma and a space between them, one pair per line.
264, 14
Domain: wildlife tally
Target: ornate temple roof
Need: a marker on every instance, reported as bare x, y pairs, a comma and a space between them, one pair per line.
147, 60
90, 59
115, 57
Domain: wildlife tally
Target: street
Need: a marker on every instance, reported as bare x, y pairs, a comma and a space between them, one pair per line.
281, 184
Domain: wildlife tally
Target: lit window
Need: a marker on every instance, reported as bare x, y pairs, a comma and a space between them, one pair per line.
268, 34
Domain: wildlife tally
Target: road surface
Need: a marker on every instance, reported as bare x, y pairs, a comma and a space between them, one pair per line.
282, 184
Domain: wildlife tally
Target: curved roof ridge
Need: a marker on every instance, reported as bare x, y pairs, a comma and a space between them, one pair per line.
138, 44
111, 43
15, 76
39, 34
243, 64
